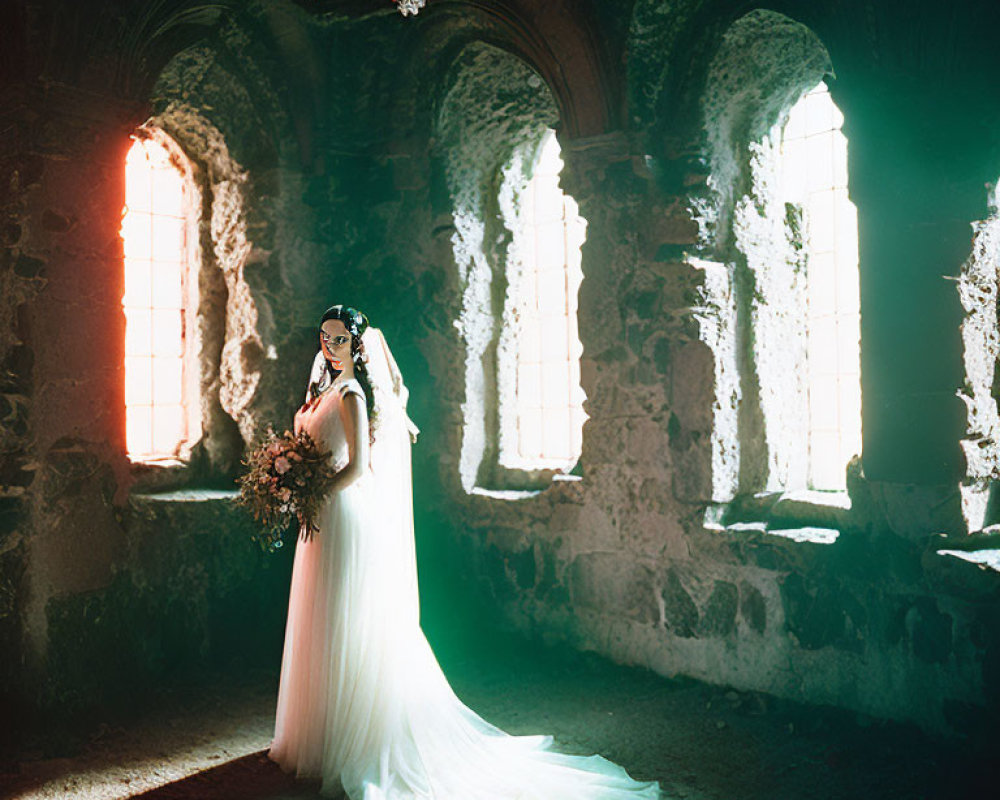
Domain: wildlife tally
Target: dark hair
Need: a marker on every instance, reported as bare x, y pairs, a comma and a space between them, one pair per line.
356, 324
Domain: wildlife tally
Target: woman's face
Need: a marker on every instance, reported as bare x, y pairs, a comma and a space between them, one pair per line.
336, 343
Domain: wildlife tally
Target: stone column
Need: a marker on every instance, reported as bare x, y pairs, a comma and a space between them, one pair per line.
918, 165
599, 175
647, 375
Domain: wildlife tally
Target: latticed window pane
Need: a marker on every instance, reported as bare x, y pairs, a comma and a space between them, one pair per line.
549, 398
814, 176
156, 273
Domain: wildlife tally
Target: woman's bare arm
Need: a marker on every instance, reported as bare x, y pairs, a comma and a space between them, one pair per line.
354, 415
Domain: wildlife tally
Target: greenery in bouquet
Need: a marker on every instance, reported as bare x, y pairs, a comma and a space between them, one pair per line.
287, 480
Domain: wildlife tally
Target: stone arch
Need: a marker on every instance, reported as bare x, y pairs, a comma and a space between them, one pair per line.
745, 75
212, 114
671, 47
587, 97
764, 63
226, 329
491, 118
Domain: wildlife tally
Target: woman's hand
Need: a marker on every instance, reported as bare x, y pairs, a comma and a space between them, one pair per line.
301, 415
306, 531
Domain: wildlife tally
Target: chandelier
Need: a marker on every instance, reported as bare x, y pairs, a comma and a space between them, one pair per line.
408, 7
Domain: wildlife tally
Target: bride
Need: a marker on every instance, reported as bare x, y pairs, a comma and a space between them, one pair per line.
362, 702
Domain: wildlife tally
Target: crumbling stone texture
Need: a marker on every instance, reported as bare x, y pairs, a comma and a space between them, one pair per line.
978, 286
680, 612
342, 160
690, 401
490, 125
752, 607
764, 63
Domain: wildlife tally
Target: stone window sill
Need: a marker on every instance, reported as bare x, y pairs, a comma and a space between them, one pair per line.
800, 516
187, 496
809, 534
981, 547
986, 558
525, 494
161, 475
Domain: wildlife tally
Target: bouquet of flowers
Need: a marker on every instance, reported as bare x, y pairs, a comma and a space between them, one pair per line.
287, 479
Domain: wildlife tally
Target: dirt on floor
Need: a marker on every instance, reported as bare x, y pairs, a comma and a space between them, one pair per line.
700, 742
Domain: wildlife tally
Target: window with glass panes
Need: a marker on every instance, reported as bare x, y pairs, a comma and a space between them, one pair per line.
549, 402
813, 174
158, 420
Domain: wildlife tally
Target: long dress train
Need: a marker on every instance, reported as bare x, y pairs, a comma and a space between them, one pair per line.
362, 702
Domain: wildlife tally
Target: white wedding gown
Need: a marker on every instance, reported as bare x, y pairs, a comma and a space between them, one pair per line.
362, 702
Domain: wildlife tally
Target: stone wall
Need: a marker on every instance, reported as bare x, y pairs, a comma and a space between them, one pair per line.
332, 154
103, 599
188, 598
651, 558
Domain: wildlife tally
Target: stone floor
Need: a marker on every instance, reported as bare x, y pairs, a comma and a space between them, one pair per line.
700, 742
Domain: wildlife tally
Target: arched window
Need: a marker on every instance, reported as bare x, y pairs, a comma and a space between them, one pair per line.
548, 405
161, 408
813, 177
516, 243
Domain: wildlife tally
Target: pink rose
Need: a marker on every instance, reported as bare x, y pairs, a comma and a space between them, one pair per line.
274, 448
282, 465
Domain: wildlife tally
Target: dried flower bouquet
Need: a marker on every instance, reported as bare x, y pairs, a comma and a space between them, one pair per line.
287, 480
